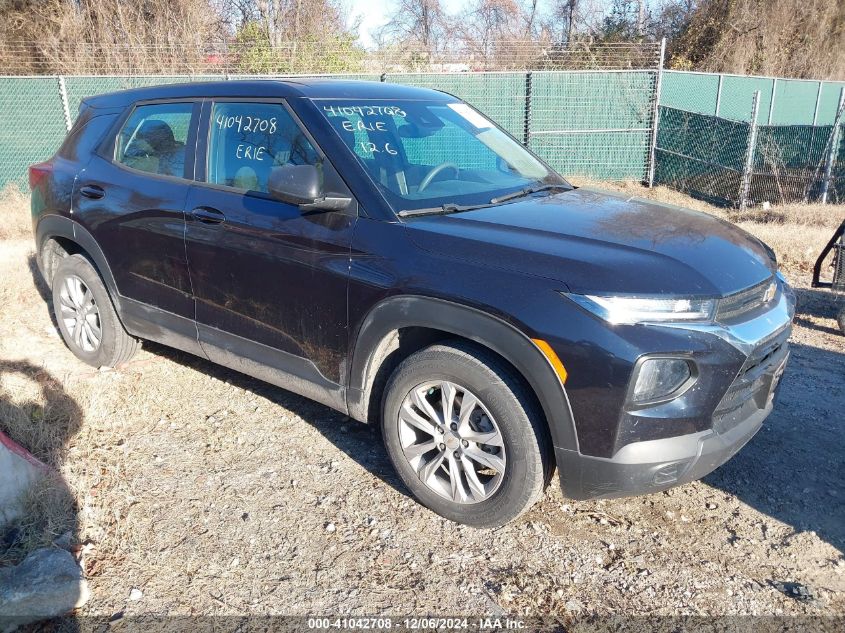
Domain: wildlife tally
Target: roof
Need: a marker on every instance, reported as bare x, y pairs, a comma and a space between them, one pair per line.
311, 88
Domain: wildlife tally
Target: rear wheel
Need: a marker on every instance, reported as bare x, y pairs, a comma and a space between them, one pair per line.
465, 434
86, 317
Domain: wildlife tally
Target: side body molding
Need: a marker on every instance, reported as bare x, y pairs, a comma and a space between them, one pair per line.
494, 333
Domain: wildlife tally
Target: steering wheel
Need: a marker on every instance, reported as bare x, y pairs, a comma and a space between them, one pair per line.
436, 170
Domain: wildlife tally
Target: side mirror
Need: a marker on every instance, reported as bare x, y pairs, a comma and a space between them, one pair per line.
294, 184
300, 185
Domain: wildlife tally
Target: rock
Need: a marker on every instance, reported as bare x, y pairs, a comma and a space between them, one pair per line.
794, 590
135, 594
47, 584
330, 527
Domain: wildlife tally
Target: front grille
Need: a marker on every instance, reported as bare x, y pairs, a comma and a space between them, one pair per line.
742, 303
751, 389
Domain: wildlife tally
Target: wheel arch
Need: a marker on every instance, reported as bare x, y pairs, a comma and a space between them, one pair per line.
429, 320
72, 239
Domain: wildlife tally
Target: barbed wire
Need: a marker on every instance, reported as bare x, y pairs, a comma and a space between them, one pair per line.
316, 57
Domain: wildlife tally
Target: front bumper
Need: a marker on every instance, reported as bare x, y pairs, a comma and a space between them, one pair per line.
654, 465
642, 467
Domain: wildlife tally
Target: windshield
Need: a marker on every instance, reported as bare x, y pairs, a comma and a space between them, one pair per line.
424, 154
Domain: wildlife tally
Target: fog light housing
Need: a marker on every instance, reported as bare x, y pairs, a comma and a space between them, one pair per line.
660, 379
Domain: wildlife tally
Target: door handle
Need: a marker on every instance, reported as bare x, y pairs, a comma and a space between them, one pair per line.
207, 215
92, 191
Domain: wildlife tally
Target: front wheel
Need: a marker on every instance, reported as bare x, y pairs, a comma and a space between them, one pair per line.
465, 434
87, 320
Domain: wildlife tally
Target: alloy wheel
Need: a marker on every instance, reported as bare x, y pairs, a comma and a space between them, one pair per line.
452, 442
80, 314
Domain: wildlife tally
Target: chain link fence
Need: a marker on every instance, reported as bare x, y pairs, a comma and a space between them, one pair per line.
608, 115
741, 163
588, 110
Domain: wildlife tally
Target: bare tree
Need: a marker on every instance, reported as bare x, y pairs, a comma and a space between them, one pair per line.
500, 33
420, 24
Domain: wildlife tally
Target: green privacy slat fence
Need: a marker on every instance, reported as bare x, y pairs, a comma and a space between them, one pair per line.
32, 124
501, 96
796, 101
596, 124
587, 123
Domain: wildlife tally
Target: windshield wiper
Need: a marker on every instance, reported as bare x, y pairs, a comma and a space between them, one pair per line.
527, 192
441, 210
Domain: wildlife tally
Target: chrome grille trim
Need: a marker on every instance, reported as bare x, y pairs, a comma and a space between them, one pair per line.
739, 304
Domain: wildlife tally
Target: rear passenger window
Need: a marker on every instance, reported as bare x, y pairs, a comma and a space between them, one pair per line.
153, 139
248, 139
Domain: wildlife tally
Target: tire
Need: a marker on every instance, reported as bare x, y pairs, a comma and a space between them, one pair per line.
841, 319
503, 413
79, 296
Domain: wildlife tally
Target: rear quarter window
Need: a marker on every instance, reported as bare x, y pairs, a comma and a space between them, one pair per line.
88, 131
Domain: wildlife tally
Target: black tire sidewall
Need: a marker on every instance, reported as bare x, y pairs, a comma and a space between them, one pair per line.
79, 266
524, 474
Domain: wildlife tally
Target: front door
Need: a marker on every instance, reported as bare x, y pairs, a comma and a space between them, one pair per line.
270, 280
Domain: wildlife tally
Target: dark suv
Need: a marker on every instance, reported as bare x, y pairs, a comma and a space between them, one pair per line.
390, 252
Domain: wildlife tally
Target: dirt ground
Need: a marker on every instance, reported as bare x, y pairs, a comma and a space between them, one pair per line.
191, 489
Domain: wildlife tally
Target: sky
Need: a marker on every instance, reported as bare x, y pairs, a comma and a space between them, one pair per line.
375, 13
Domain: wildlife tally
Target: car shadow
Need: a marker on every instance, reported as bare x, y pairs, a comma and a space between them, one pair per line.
44, 426
793, 469
361, 442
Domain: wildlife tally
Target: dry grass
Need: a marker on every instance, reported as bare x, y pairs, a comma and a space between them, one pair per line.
48, 512
37, 413
212, 492
796, 232
15, 219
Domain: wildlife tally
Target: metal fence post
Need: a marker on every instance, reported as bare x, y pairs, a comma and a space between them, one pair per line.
834, 147
719, 95
526, 133
772, 102
745, 186
655, 117
63, 97
818, 101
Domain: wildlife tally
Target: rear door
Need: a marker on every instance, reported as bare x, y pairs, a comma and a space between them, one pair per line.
270, 280
131, 198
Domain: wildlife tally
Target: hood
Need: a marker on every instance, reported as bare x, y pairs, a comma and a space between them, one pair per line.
594, 242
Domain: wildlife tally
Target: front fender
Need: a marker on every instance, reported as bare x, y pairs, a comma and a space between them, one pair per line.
470, 323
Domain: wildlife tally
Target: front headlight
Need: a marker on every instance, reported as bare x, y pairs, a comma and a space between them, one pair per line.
630, 310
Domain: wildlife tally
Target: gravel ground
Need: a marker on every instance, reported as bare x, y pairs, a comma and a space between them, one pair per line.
201, 491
